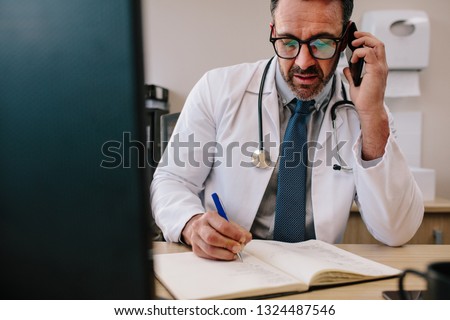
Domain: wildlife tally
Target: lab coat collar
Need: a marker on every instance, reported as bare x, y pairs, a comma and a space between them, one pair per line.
255, 83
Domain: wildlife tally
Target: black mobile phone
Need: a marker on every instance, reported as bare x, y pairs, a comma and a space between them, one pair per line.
410, 294
356, 69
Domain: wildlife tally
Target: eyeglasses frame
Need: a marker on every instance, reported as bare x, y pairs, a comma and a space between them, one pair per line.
339, 40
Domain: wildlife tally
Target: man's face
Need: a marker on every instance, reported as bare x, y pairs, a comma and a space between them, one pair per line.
305, 75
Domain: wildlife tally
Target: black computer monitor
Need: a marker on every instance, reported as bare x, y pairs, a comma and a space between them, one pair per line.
74, 203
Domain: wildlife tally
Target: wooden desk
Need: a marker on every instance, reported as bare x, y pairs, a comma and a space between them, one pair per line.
435, 228
409, 256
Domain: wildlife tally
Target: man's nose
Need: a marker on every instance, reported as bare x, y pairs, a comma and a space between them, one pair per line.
304, 59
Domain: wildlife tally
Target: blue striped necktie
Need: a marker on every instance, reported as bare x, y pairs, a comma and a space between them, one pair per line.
291, 193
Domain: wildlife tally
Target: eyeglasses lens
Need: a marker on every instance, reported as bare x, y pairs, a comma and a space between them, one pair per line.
319, 48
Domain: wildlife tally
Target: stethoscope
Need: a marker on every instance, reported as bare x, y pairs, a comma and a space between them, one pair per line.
261, 157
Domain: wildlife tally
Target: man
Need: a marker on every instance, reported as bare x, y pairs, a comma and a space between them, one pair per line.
217, 132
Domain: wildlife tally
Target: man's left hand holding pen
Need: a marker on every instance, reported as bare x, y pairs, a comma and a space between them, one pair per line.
213, 237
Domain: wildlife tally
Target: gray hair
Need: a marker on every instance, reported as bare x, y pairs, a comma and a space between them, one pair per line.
347, 9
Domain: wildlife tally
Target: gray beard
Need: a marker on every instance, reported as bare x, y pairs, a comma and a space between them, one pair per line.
305, 92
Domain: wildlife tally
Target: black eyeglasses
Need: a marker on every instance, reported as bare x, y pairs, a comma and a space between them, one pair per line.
321, 48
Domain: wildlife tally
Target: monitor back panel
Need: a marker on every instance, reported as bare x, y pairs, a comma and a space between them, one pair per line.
73, 197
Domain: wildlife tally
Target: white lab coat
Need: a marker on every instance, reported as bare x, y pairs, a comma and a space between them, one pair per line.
222, 108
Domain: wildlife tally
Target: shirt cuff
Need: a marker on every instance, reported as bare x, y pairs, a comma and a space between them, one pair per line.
370, 163
180, 240
365, 164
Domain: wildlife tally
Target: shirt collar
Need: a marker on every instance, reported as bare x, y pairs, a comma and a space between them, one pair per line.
286, 95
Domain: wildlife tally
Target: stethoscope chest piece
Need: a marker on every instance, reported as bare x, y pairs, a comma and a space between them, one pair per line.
261, 159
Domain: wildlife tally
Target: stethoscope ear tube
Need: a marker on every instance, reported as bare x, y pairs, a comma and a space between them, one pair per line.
260, 94
261, 158
337, 105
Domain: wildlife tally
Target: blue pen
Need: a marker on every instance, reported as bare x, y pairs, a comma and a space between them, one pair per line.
222, 213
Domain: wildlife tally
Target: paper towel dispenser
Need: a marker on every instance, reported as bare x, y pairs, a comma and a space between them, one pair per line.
405, 33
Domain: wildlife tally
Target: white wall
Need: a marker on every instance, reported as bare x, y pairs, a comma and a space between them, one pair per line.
185, 38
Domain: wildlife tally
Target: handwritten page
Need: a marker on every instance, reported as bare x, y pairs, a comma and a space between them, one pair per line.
305, 260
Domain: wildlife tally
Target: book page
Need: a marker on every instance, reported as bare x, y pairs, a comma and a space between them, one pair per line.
305, 260
188, 276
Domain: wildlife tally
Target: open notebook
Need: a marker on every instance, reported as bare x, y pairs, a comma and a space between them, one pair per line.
269, 267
